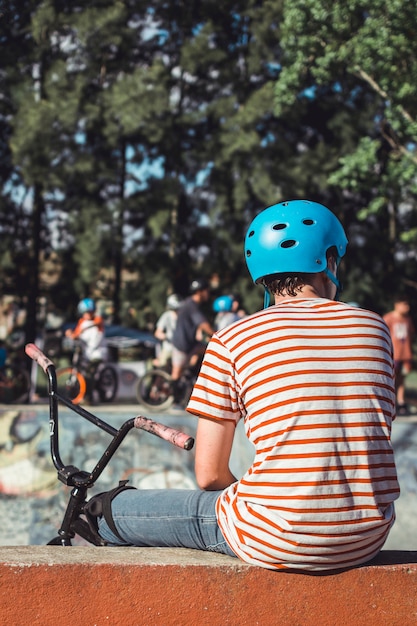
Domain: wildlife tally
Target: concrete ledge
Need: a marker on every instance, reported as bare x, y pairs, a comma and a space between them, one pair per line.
46, 585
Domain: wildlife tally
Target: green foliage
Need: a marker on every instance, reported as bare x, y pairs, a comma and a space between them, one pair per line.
357, 168
368, 53
153, 133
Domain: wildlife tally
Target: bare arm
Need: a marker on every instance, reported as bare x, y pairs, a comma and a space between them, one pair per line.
213, 447
206, 329
82, 326
159, 334
73, 333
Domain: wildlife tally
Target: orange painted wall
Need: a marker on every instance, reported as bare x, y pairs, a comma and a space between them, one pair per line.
134, 586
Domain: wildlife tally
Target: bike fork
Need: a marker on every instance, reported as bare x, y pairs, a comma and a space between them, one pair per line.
73, 524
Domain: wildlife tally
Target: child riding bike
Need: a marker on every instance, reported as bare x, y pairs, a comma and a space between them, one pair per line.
89, 331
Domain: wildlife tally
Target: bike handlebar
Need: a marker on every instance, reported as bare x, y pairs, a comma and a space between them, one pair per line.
176, 437
37, 355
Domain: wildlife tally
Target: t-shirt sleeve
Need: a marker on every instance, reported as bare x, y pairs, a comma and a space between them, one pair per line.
197, 318
161, 324
216, 391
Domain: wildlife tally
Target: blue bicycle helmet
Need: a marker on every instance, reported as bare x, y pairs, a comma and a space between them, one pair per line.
86, 306
293, 236
223, 303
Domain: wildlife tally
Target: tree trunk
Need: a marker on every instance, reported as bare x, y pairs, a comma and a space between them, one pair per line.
33, 282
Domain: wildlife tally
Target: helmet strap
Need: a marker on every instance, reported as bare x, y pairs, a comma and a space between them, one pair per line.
335, 281
267, 297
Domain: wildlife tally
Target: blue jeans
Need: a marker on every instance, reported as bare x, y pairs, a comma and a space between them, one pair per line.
175, 518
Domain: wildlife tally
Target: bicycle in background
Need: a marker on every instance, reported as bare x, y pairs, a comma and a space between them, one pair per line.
155, 389
72, 380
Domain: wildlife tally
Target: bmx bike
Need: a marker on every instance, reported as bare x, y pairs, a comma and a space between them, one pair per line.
156, 390
75, 520
72, 380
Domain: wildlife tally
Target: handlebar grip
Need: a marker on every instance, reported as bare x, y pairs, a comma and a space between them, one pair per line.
37, 355
176, 437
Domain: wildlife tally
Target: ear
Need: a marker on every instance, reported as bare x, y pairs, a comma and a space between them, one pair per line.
332, 265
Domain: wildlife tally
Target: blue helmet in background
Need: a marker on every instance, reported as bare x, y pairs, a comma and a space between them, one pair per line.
292, 236
223, 303
86, 306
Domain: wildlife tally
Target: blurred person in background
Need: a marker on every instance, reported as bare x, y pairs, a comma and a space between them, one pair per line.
89, 332
164, 330
402, 332
227, 311
191, 328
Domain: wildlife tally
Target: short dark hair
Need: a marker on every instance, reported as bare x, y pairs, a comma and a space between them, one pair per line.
401, 297
285, 284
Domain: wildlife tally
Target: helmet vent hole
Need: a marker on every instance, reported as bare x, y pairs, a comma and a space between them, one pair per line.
251, 234
279, 226
308, 222
288, 243
248, 253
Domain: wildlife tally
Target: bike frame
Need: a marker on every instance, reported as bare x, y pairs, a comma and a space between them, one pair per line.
71, 475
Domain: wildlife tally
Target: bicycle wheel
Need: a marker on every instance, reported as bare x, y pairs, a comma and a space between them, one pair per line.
107, 384
71, 384
14, 385
154, 390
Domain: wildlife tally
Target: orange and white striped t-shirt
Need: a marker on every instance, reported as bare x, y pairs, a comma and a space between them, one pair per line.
313, 381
